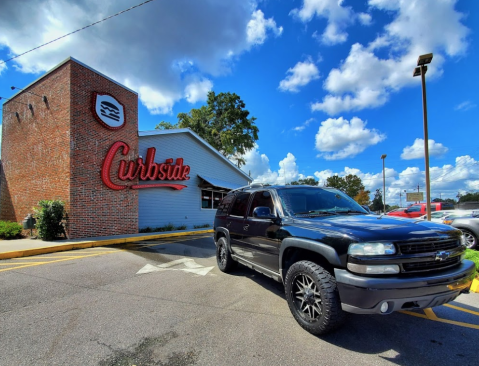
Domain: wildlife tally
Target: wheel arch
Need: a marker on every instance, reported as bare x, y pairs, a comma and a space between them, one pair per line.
297, 249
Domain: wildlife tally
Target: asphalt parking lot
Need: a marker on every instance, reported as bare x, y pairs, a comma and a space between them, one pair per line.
164, 302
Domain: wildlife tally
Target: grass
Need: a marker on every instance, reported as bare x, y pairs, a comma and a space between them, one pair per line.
473, 255
167, 227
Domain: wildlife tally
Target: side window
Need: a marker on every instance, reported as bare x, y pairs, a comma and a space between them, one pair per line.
261, 199
414, 209
225, 205
240, 205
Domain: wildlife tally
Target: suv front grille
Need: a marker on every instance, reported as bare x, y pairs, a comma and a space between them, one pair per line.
428, 246
425, 266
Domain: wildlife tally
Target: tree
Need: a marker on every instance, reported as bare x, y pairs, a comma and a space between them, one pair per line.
362, 197
377, 204
223, 123
163, 125
306, 181
351, 184
469, 196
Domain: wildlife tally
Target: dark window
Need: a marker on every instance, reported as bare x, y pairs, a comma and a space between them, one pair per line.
240, 205
261, 199
225, 205
206, 199
414, 209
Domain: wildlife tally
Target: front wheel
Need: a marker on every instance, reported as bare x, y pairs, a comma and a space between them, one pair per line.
313, 298
223, 257
471, 240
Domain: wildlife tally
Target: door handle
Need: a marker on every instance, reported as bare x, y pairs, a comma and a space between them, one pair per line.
228, 224
245, 228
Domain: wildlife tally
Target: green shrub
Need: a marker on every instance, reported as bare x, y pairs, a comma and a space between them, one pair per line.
167, 227
473, 255
201, 226
49, 219
10, 230
181, 227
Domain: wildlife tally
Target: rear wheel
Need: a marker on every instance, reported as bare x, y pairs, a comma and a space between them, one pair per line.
223, 256
313, 298
471, 240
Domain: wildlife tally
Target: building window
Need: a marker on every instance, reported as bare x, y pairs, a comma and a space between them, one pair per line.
211, 199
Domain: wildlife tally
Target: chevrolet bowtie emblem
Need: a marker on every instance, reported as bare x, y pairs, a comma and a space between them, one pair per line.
442, 255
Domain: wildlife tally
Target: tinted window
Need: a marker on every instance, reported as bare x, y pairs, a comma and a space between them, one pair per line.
261, 199
304, 200
240, 205
224, 205
414, 209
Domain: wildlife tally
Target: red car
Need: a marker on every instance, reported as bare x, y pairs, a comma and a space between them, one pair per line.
419, 209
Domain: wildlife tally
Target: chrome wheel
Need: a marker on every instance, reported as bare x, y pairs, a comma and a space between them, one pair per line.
470, 239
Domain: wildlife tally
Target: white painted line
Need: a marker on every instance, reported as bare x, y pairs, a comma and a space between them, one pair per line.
189, 263
175, 262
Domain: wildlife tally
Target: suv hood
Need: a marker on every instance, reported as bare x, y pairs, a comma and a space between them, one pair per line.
372, 227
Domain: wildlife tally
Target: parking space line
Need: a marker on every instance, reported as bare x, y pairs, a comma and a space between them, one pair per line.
462, 309
430, 315
34, 264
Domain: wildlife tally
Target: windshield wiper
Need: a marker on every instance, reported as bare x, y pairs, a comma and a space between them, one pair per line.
350, 211
316, 213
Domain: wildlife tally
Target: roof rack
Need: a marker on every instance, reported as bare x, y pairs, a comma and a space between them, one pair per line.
254, 185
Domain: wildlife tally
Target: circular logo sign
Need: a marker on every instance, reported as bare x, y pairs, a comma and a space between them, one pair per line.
108, 111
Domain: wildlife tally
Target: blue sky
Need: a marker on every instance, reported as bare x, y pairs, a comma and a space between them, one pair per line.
330, 82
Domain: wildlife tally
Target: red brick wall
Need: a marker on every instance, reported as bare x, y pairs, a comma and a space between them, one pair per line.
57, 153
36, 147
97, 210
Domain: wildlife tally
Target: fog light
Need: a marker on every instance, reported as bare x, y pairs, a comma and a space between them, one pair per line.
384, 307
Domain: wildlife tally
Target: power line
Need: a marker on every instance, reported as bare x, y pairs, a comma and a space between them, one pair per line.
78, 30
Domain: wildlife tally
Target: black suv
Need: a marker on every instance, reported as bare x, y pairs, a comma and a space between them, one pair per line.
334, 257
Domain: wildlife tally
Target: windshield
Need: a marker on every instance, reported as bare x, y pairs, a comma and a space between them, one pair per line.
317, 201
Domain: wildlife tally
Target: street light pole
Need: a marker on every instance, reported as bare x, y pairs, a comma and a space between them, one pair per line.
383, 156
421, 70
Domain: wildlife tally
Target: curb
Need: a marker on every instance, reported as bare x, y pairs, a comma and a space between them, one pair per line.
475, 286
94, 243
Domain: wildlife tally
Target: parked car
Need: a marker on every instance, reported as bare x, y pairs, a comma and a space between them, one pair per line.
333, 257
419, 209
469, 227
439, 216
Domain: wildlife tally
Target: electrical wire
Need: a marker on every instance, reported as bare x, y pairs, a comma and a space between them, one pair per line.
78, 30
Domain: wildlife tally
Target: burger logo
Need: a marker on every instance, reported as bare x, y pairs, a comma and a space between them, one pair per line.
108, 111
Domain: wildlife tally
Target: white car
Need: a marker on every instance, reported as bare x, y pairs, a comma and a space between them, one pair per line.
439, 216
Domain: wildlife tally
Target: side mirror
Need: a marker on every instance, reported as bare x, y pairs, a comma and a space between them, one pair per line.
406, 211
261, 212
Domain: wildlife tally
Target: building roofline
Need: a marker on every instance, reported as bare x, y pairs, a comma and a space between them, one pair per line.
194, 134
61, 64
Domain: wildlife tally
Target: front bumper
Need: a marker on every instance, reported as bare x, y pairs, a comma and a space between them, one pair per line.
365, 295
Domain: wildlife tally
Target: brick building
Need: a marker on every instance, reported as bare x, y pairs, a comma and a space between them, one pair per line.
73, 135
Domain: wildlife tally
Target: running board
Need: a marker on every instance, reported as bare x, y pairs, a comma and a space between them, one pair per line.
267, 272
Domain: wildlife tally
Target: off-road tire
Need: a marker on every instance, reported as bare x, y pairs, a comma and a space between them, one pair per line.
223, 256
471, 239
313, 298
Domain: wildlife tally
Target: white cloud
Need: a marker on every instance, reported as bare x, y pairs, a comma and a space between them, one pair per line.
465, 106
338, 18
364, 80
300, 75
2, 66
304, 125
365, 18
258, 27
197, 91
156, 49
345, 139
258, 165
416, 151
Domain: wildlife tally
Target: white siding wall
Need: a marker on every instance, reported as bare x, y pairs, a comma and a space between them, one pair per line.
161, 206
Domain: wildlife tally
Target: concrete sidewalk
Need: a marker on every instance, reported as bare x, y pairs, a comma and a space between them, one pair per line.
27, 247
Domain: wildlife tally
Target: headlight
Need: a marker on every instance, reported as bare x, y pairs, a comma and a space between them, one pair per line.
371, 249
